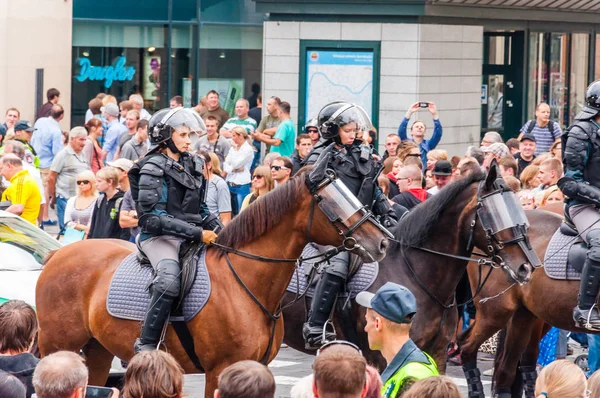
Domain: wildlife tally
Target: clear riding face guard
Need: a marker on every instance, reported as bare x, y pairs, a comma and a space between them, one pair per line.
339, 205
499, 211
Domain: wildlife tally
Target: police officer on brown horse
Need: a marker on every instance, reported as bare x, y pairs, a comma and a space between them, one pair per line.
340, 124
169, 188
581, 183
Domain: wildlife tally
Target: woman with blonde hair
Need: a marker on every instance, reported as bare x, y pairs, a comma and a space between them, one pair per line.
556, 150
434, 155
593, 384
552, 195
561, 379
236, 168
153, 374
529, 178
79, 208
262, 184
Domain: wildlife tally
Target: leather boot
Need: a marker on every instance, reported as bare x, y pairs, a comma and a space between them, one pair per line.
586, 313
156, 316
325, 295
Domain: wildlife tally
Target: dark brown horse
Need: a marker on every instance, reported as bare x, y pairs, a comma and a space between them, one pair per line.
526, 311
442, 223
72, 288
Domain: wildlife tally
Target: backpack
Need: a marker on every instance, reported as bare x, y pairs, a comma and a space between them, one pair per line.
550, 126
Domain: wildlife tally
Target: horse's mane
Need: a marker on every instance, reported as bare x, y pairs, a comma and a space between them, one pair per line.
264, 213
417, 225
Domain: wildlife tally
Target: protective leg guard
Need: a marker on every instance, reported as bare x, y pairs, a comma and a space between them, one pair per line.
529, 377
473, 376
586, 314
325, 295
503, 393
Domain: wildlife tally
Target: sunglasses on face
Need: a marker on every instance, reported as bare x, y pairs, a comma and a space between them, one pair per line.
83, 182
277, 168
258, 177
313, 131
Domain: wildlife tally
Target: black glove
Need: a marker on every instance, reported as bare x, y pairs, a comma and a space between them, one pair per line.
581, 191
389, 221
212, 223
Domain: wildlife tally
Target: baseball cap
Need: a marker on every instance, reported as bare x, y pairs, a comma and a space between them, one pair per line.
442, 168
527, 136
111, 109
23, 125
499, 149
121, 163
392, 301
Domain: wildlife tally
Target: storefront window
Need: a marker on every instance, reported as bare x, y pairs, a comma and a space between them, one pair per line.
579, 73
537, 71
559, 50
597, 59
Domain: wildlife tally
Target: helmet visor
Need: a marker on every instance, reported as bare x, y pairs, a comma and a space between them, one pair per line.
352, 117
187, 120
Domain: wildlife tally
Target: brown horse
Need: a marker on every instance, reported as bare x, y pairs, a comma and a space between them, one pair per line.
443, 223
525, 311
72, 289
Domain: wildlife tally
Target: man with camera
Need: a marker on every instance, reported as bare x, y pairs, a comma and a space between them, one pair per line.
418, 128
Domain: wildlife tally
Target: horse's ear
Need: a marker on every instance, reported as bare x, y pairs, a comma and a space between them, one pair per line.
492, 175
317, 174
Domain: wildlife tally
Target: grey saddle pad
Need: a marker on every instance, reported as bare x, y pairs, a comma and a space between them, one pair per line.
128, 296
556, 258
361, 280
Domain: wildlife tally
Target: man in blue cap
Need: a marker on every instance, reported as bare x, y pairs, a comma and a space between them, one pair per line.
389, 315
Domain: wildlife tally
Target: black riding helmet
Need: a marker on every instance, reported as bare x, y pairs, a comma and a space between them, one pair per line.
592, 101
338, 114
164, 122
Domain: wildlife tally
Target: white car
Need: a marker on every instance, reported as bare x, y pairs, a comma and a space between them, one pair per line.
23, 248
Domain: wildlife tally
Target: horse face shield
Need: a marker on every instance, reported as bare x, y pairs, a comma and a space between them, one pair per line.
502, 216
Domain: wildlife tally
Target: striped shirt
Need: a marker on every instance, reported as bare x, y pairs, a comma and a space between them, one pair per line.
23, 190
248, 124
543, 138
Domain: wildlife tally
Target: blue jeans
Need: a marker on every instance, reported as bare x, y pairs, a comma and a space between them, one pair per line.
61, 204
238, 193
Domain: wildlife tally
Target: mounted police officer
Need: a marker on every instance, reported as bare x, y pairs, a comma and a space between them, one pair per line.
339, 124
169, 188
581, 183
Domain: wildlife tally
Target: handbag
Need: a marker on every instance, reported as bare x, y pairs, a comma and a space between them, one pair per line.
72, 235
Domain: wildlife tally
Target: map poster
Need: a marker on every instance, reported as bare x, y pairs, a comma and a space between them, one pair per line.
333, 75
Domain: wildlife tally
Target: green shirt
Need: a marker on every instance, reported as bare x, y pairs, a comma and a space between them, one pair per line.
286, 132
248, 124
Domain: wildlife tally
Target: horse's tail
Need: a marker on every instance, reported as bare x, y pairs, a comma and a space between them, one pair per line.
50, 254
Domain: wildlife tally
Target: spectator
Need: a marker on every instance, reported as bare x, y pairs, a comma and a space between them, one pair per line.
92, 149
561, 379
408, 149
268, 124
53, 95
213, 141
12, 117
122, 166
339, 370
23, 191
393, 177
138, 104
442, 175
176, 102
153, 374
418, 129
67, 164
253, 99
550, 171
283, 140
513, 183
508, 166
269, 158
527, 199
374, 383
124, 108
434, 155
513, 145
556, 150
541, 158
11, 386
527, 149
128, 217
303, 388
113, 133
454, 160
392, 141
94, 109
475, 153
468, 165
303, 148
60, 375
236, 168
108, 99
201, 106
137, 147
545, 131
23, 133
18, 328
262, 184
213, 108
492, 152
2, 134
433, 387
218, 197
79, 208
552, 195
384, 184
281, 170
491, 137
593, 385
529, 178
311, 128
389, 316
248, 379
131, 122
255, 111
410, 184
105, 213
241, 120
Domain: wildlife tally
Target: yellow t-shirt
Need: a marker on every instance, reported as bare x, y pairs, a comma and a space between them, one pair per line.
23, 190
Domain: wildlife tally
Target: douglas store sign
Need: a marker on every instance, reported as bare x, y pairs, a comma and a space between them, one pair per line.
118, 71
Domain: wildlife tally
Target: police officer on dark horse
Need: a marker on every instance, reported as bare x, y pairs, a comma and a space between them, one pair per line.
581, 183
169, 188
341, 126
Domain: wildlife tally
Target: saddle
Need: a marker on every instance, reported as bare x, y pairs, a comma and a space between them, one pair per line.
566, 254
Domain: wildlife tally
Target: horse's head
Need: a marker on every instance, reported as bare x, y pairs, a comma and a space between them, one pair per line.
500, 228
336, 216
